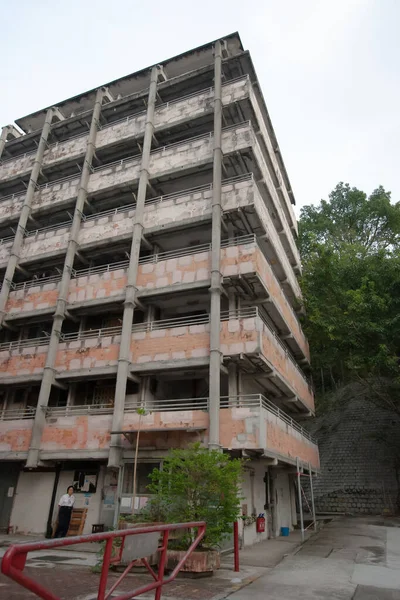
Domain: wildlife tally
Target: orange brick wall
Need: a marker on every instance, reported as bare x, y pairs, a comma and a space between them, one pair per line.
279, 298
235, 424
276, 355
286, 441
92, 432
15, 436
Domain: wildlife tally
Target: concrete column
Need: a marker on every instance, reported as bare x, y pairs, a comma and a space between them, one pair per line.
7, 131
216, 279
59, 315
25, 212
124, 362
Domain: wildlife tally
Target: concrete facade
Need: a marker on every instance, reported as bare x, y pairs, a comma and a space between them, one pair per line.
154, 266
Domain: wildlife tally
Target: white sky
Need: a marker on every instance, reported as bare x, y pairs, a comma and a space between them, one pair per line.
329, 70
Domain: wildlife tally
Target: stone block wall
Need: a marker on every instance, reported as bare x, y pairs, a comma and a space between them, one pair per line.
358, 472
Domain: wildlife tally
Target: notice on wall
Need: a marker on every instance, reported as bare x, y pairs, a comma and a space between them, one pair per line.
10, 492
89, 483
109, 497
126, 502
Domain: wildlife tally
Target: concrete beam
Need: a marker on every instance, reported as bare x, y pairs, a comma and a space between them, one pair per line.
167, 365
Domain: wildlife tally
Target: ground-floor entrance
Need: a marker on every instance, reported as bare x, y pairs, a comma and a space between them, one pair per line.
9, 472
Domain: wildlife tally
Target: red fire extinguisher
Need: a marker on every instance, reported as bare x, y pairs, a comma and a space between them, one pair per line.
260, 523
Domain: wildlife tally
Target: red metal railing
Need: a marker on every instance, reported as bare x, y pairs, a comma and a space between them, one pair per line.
14, 560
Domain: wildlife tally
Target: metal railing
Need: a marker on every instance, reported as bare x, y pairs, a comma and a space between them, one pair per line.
260, 401
286, 350
154, 538
122, 264
14, 414
126, 119
243, 313
130, 407
29, 342
247, 312
12, 196
181, 404
7, 240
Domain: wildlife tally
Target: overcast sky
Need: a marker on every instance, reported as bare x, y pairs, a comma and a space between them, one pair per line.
329, 70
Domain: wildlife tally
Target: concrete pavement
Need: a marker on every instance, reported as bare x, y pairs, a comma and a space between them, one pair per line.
349, 559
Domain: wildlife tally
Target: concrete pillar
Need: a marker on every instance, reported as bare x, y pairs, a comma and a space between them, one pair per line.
124, 362
59, 315
25, 212
6, 132
216, 278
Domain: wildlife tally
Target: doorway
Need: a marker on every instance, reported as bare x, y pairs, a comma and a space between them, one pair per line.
8, 483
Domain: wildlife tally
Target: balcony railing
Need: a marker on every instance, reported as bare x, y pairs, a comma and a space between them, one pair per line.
11, 414
126, 119
243, 313
181, 404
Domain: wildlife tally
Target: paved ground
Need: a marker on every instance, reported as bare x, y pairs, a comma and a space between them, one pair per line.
349, 559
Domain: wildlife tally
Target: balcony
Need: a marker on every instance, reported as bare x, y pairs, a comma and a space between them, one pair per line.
173, 210
122, 174
245, 337
241, 259
166, 115
248, 422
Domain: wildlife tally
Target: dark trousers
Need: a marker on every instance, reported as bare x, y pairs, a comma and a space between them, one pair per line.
64, 518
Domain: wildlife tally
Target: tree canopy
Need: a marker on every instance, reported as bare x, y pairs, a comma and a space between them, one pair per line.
350, 248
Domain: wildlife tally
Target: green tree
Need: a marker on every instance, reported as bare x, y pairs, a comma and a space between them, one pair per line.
350, 247
196, 484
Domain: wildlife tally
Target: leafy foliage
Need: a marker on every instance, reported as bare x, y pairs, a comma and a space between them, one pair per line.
197, 484
350, 249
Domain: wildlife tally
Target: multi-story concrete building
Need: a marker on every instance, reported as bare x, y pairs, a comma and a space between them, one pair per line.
148, 259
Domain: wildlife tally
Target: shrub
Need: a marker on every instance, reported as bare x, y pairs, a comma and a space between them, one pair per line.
196, 484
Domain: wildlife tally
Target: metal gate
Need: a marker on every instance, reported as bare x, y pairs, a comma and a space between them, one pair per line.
8, 482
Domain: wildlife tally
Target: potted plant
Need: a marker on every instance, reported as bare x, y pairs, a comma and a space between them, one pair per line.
196, 484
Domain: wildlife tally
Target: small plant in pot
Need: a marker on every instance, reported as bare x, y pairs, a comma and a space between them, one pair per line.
196, 484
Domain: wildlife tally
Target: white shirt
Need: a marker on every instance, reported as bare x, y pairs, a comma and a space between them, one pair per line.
67, 500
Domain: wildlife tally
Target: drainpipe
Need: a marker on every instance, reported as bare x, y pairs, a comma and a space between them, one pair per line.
216, 279
25, 212
124, 361
59, 315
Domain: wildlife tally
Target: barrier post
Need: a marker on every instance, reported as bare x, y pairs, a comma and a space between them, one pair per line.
236, 546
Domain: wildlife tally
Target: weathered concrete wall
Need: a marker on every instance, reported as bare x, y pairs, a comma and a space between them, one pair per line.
166, 115
176, 209
277, 357
187, 341
277, 207
358, 473
240, 427
82, 432
15, 435
272, 156
32, 502
288, 441
189, 153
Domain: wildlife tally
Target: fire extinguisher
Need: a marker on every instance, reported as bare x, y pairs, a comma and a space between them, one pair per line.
260, 523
